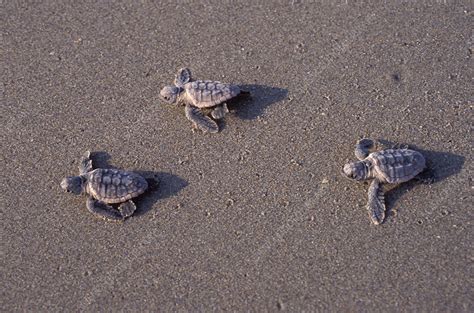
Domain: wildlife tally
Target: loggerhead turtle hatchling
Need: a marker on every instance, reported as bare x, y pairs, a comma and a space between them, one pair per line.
199, 97
104, 187
392, 166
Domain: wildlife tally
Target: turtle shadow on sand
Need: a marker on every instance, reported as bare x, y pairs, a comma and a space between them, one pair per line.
440, 166
100, 159
260, 98
161, 185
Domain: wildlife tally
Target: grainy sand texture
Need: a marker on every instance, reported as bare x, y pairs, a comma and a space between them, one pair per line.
257, 217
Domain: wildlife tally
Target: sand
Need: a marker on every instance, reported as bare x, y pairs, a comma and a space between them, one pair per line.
256, 217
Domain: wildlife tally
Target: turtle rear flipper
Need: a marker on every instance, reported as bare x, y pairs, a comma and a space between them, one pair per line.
363, 147
204, 123
85, 164
127, 208
376, 204
103, 210
220, 111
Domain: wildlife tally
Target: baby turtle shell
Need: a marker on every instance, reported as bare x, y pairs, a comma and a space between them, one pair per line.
395, 166
207, 93
115, 186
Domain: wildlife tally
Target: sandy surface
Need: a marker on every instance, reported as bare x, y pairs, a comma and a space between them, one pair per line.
256, 217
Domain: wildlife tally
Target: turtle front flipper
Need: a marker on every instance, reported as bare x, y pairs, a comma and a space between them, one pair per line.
220, 111
127, 208
363, 147
204, 123
376, 204
85, 164
103, 210
182, 77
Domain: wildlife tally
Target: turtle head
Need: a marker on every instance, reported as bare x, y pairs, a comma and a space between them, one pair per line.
169, 94
72, 184
355, 170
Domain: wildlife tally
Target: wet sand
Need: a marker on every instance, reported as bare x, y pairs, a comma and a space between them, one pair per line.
256, 217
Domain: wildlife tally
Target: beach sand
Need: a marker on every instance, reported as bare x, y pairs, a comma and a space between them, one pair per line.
258, 216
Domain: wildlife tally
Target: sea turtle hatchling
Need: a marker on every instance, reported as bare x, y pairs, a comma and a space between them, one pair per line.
389, 166
199, 97
104, 187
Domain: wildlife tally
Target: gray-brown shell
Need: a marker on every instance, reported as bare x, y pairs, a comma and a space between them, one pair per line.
207, 93
396, 165
114, 186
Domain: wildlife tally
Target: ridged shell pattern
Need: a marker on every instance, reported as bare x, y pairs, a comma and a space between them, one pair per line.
115, 186
396, 165
208, 93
